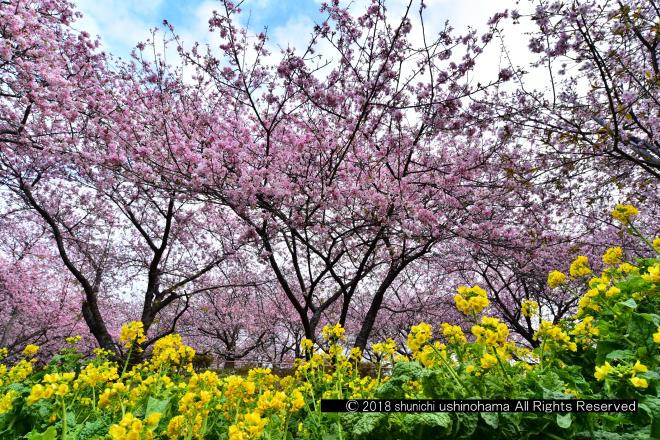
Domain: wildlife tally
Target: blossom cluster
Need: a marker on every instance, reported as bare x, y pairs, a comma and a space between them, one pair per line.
471, 300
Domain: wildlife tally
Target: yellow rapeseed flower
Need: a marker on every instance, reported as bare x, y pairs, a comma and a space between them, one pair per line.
613, 255
306, 345
333, 332
653, 275
550, 332
132, 333
453, 333
624, 213
20, 371
638, 382
36, 394
384, 348
30, 350
428, 355
639, 368
602, 371
491, 332
356, 354
297, 400
171, 351
419, 335
488, 360
530, 307
471, 299
579, 267
556, 278
586, 328
73, 340
626, 267
129, 428
6, 401
177, 427
612, 291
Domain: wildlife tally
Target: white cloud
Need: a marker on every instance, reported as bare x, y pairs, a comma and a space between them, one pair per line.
295, 33
120, 24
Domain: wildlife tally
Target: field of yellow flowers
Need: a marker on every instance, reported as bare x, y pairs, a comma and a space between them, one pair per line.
609, 349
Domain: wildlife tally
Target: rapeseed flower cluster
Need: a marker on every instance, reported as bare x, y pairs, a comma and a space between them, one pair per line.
387, 348
529, 308
431, 354
333, 332
579, 267
419, 335
585, 330
553, 334
132, 428
132, 334
613, 255
471, 300
624, 213
653, 274
621, 372
453, 333
170, 351
306, 345
556, 279
6, 401
491, 332
30, 350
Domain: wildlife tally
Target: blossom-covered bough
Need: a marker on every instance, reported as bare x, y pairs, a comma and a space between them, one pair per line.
600, 110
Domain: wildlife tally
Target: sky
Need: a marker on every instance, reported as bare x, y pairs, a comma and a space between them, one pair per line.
123, 23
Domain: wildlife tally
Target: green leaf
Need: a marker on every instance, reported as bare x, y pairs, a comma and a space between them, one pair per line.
405, 371
651, 405
49, 434
156, 406
401, 374
651, 317
629, 303
431, 420
367, 423
620, 355
639, 329
552, 386
491, 419
466, 424
634, 284
564, 420
92, 429
604, 348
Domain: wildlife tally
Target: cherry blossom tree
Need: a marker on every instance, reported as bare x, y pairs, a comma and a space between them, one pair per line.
348, 167
247, 197
38, 303
601, 106
65, 117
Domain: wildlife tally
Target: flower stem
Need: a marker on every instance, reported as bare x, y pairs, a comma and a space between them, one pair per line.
64, 427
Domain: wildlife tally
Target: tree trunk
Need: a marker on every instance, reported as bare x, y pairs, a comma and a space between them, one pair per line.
92, 315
